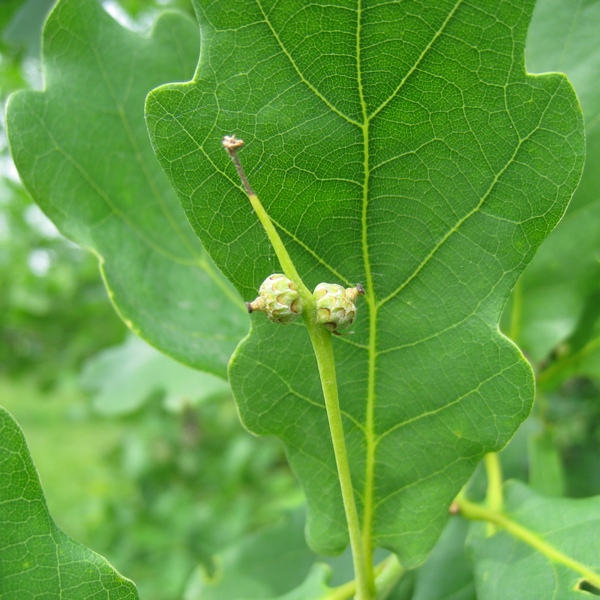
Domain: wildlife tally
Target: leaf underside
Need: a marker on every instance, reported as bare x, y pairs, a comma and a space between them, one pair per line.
82, 150
403, 146
37, 560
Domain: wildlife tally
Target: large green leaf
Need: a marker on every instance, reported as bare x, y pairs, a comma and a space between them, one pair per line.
558, 286
82, 151
403, 146
567, 528
37, 560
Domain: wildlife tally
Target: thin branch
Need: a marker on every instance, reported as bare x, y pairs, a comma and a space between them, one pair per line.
323, 348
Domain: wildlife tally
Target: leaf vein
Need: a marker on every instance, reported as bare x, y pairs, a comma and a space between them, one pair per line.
309, 85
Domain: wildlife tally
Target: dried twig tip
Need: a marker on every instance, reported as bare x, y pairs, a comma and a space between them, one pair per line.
454, 509
230, 142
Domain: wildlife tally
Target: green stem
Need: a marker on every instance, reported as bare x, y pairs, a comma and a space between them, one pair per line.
284, 258
342, 592
388, 577
323, 348
388, 573
494, 499
477, 512
493, 468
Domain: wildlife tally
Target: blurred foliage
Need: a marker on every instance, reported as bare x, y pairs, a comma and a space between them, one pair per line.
54, 311
571, 414
200, 482
21, 24
158, 490
122, 378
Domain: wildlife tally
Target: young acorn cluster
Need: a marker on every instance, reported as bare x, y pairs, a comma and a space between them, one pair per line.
279, 298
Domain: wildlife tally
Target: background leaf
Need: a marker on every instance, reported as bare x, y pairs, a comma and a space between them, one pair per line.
447, 574
504, 564
263, 565
561, 286
402, 146
545, 468
272, 562
82, 151
36, 558
124, 377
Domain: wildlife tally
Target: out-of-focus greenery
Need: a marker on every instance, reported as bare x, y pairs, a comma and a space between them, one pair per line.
158, 490
54, 311
571, 416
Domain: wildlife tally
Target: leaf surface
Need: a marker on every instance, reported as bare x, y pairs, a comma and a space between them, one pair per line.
82, 150
504, 564
37, 560
402, 146
563, 279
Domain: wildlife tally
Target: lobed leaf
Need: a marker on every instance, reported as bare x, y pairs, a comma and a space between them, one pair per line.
36, 558
82, 151
403, 146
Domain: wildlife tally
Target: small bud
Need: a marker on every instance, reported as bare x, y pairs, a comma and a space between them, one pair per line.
230, 142
278, 298
335, 305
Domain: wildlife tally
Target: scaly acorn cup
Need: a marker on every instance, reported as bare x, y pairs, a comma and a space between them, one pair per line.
279, 298
335, 305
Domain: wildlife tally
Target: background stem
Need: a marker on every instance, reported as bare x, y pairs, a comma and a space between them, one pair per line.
476, 512
493, 469
389, 576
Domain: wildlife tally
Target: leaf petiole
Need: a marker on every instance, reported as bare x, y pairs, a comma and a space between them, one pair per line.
387, 575
493, 498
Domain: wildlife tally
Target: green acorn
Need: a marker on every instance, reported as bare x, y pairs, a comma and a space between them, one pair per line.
279, 298
335, 305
